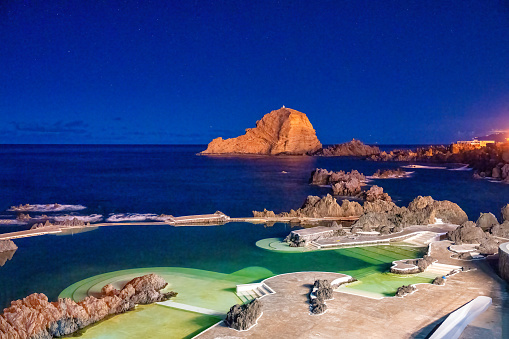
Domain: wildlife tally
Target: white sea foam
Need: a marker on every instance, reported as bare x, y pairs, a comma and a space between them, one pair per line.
424, 166
85, 218
136, 217
462, 168
11, 222
406, 175
46, 208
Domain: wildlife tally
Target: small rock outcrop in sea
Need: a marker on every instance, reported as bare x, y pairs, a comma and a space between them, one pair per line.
283, 131
243, 317
390, 173
354, 148
375, 193
7, 245
75, 222
35, 317
348, 184
320, 292
316, 207
7, 250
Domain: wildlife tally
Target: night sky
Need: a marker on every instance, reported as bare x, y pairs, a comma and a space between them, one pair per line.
184, 72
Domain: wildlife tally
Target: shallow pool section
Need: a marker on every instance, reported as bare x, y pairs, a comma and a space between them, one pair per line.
149, 321
199, 288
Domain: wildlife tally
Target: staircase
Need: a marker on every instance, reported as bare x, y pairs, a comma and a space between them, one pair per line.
312, 246
438, 270
248, 292
422, 239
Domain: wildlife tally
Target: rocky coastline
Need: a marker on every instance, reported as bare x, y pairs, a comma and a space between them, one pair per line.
35, 317
354, 148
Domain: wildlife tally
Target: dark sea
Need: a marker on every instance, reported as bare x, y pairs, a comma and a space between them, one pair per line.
172, 179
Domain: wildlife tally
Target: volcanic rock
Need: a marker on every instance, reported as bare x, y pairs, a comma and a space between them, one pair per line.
316, 207
389, 173
486, 221
501, 230
467, 233
7, 245
354, 148
505, 213
488, 246
283, 131
376, 193
438, 281
36, 317
404, 290
243, 317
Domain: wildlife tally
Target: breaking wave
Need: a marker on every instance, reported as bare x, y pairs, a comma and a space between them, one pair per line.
85, 218
46, 208
11, 222
136, 217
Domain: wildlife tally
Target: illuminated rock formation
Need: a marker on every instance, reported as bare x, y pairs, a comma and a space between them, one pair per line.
36, 317
284, 131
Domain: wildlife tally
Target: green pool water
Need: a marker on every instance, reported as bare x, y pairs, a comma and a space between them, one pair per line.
216, 291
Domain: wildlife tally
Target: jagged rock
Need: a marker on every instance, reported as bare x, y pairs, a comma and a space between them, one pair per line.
264, 213
383, 230
316, 207
404, 290
486, 221
467, 233
501, 230
488, 246
321, 291
320, 176
376, 193
446, 210
283, 131
372, 220
36, 317
438, 281
352, 187
389, 173
242, 317
7, 245
318, 306
505, 213
380, 206
352, 148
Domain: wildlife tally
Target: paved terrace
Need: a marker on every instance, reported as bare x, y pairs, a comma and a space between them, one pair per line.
286, 313
360, 239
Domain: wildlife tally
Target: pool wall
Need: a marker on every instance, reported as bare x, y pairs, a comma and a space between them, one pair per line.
503, 260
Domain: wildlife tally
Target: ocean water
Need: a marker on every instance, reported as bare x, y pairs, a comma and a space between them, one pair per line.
174, 180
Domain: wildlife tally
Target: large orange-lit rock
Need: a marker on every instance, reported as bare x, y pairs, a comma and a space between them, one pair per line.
284, 131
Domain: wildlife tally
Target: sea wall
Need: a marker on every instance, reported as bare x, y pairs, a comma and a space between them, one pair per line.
503, 260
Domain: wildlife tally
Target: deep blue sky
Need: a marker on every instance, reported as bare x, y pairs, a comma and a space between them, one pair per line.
187, 71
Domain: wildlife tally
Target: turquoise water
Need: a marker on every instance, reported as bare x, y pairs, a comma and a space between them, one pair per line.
50, 263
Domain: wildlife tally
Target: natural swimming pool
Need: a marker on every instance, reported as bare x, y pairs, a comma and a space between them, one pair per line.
202, 263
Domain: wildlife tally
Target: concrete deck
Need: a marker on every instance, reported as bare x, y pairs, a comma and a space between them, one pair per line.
286, 313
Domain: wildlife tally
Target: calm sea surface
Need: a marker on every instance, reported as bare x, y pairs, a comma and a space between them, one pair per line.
174, 180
